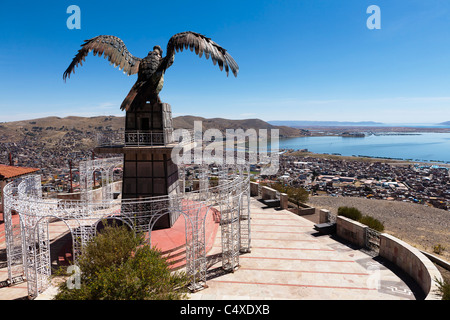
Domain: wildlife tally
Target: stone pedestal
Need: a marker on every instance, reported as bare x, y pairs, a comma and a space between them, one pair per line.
284, 201
152, 124
148, 172
148, 168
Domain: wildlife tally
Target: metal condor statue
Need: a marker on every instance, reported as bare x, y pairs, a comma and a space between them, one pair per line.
151, 69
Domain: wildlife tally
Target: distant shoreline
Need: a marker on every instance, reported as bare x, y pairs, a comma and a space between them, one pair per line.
378, 145
394, 161
321, 130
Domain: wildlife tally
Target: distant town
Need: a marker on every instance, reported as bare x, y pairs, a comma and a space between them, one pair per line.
54, 158
427, 184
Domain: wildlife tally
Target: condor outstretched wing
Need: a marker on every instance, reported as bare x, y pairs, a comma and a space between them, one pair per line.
113, 48
202, 45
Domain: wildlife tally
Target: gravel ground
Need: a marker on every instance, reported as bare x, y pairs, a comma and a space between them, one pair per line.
420, 226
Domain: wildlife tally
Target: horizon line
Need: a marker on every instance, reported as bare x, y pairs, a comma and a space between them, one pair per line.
371, 122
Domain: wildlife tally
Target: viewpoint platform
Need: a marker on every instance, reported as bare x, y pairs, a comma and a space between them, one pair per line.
289, 260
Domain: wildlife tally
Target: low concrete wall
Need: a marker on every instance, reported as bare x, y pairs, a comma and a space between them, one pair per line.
117, 186
68, 196
284, 201
303, 208
444, 264
268, 193
403, 255
413, 262
97, 193
351, 230
323, 215
254, 189
307, 211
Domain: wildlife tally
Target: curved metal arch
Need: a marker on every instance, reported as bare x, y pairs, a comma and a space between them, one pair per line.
115, 217
245, 221
195, 258
87, 169
230, 232
154, 219
210, 210
44, 263
49, 216
195, 250
229, 196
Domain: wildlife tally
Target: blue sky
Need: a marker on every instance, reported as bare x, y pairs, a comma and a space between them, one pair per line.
299, 60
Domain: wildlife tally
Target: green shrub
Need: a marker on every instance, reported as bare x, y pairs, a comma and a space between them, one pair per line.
372, 223
280, 187
355, 214
113, 245
297, 195
438, 249
117, 265
444, 289
350, 212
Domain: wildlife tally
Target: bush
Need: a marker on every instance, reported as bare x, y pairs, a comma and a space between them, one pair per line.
350, 212
117, 265
355, 214
444, 289
112, 245
438, 249
297, 195
280, 187
372, 223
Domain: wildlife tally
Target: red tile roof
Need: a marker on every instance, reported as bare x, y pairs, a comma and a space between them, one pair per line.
7, 172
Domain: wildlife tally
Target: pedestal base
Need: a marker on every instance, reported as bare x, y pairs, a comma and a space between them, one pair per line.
148, 172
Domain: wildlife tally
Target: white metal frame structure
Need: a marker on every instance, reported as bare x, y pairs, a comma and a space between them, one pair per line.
88, 168
28, 251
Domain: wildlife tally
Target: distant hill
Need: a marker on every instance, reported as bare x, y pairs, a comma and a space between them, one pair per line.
187, 122
48, 143
300, 123
446, 123
52, 129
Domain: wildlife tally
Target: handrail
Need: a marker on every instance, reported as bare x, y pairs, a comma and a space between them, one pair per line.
140, 138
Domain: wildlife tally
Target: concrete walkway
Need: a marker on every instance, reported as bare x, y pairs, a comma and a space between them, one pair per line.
289, 260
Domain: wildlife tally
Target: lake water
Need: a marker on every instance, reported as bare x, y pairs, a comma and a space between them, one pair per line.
417, 147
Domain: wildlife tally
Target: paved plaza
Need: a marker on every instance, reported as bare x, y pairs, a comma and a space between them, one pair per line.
288, 260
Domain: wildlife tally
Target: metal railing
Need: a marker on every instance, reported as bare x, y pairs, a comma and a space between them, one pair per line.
144, 138
372, 239
140, 138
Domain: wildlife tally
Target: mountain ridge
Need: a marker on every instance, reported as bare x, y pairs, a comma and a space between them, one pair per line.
53, 128
308, 123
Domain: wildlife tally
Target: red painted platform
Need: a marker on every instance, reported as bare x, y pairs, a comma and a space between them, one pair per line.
172, 241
